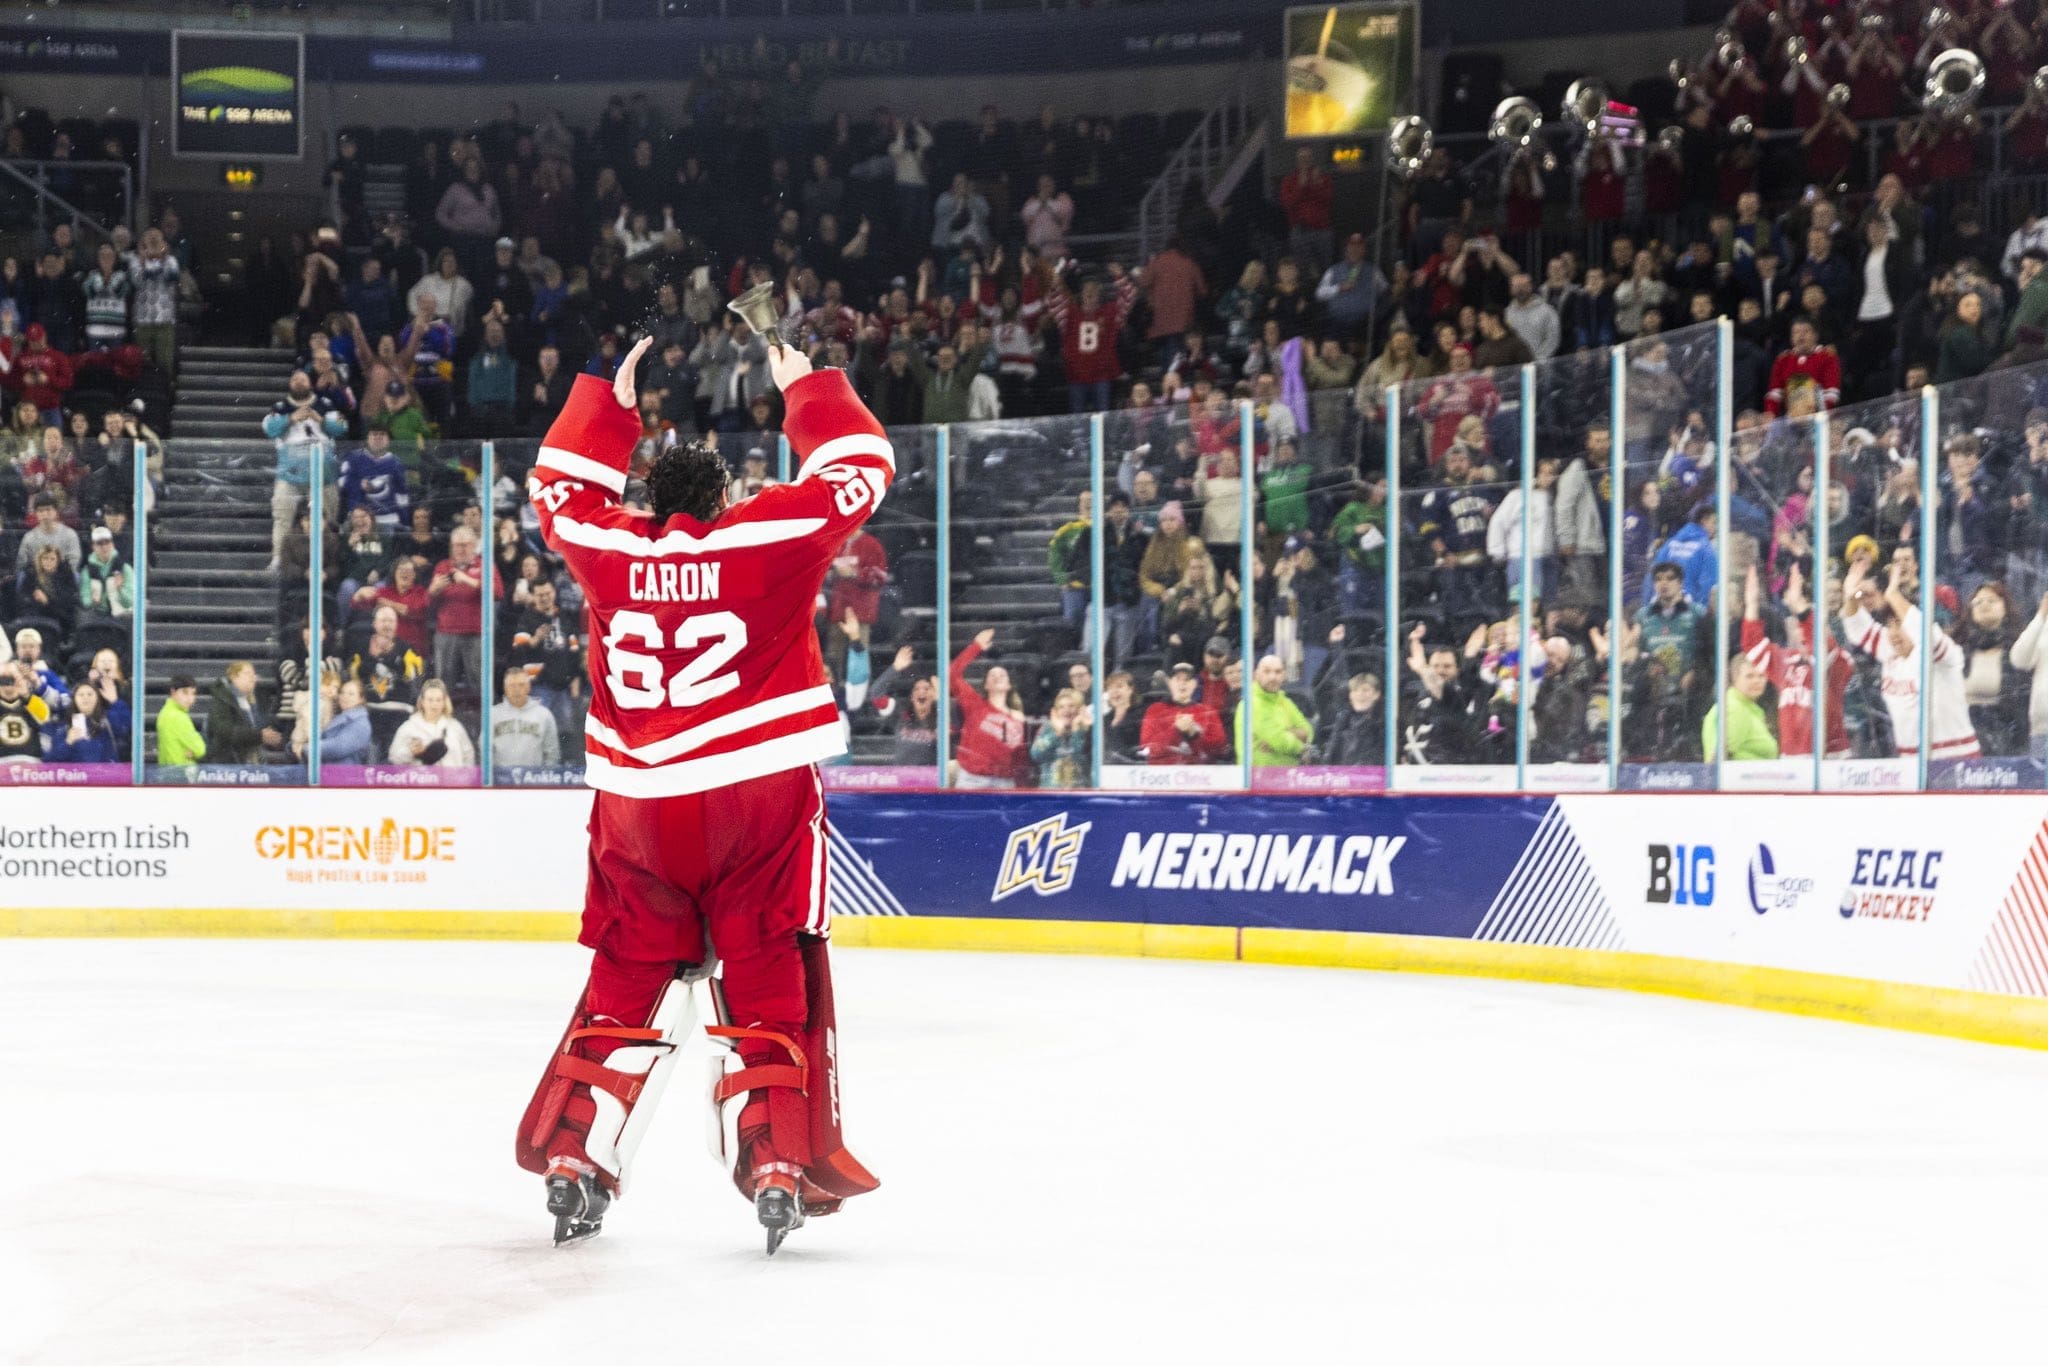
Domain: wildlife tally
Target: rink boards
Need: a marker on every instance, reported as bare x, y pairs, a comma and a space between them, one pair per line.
1921, 911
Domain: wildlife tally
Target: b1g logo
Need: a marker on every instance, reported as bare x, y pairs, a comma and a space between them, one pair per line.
1681, 875
1041, 857
1770, 890
1892, 884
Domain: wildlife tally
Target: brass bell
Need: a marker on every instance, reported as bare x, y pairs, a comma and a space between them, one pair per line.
761, 311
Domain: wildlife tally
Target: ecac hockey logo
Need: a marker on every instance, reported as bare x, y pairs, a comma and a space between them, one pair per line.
1041, 857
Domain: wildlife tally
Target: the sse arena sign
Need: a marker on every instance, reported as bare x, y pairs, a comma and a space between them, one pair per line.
238, 95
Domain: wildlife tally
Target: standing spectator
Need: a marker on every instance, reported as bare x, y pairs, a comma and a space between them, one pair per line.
1438, 725
907, 148
106, 291
960, 217
373, 479
154, 273
446, 294
1351, 291
1306, 193
548, 648
43, 372
468, 213
1174, 286
1639, 293
1504, 532
2030, 653
1061, 750
992, 748
1807, 365
1182, 729
54, 302
2032, 309
523, 732
493, 383
1532, 317
1582, 513
178, 743
304, 426
1268, 719
1089, 329
1069, 557
1966, 347
1749, 729
456, 593
1996, 691
547, 391
1048, 216
431, 736
372, 299
1894, 639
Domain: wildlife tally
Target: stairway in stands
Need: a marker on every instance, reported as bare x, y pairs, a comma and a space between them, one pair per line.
210, 601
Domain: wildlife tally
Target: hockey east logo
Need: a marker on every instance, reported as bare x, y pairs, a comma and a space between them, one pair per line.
1770, 889
1042, 857
1892, 884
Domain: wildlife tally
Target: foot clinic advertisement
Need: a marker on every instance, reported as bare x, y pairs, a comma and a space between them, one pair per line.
1350, 68
237, 95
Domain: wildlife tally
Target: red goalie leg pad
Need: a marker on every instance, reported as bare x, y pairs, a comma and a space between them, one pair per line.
614, 1009
832, 1174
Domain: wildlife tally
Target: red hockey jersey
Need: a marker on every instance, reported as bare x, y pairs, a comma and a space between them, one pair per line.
1088, 336
704, 662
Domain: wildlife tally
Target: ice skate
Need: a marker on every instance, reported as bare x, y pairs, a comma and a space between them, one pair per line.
778, 1206
578, 1201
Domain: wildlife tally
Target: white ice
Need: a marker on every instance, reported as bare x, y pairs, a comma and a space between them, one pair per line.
301, 1152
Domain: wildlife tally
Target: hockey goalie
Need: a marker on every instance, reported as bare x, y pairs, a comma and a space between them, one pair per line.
709, 715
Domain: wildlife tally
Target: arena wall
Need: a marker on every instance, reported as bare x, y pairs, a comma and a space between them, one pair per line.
1925, 912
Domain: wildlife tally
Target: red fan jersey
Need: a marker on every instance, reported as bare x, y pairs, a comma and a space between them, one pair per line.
1819, 369
704, 662
1088, 336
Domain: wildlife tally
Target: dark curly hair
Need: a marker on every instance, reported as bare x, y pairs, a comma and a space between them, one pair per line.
687, 477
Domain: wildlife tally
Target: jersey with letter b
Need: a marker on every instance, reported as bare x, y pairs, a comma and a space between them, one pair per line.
704, 662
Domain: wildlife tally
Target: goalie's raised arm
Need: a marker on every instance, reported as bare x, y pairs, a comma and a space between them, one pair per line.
624, 385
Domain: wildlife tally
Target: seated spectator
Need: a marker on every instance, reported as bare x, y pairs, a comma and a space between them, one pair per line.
1062, 749
1353, 733
404, 597
106, 590
47, 593
345, 727
111, 683
23, 715
388, 668
1182, 729
431, 736
178, 743
1749, 727
237, 729
49, 531
87, 736
1123, 721
547, 646
991, 750
523, 732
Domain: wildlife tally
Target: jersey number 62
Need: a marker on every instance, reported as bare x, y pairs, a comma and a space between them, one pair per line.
636, 680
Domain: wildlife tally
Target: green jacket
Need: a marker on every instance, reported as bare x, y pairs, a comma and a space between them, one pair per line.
945, 395
1749, 732
409, 431
1068, 555
2031, 311
1273, 743
1352, 520
1285, 489
177, 739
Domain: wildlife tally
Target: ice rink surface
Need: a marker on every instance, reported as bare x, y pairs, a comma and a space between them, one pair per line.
301, 1152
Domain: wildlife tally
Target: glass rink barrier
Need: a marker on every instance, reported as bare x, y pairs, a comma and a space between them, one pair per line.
1634, 568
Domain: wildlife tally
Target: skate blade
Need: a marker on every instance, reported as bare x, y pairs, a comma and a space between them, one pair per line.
779, 1213
569, 1231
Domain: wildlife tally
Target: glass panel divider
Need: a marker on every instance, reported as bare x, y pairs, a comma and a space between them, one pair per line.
1098, 511
138, 627
1617, 500
316, 591
1247, 616
1390, 694
1525, 663
487, 646
782, 457
942, 455
1724, 489
1819, 658
1930, 451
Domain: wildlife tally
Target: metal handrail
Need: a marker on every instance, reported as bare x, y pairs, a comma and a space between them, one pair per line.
1209, 145
46, 196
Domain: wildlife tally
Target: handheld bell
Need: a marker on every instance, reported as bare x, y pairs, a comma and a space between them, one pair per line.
758, 307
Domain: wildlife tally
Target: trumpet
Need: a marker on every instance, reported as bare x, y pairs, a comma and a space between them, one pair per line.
1585, 100
1838, 95
1515, 122
1671, 139
2037, 85
1731, 55
1796, 53
1409, 145
1742, 126
1955, 82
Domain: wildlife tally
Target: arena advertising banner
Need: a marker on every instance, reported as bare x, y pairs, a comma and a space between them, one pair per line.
1916, 889
1350, 68
238, 95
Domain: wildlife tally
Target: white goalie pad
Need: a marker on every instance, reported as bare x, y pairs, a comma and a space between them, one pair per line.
616, 1131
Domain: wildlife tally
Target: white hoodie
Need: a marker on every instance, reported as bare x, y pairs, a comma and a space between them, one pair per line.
417, 733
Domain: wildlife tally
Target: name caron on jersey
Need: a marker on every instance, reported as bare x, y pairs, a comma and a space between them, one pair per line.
1355, 865
690, 581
